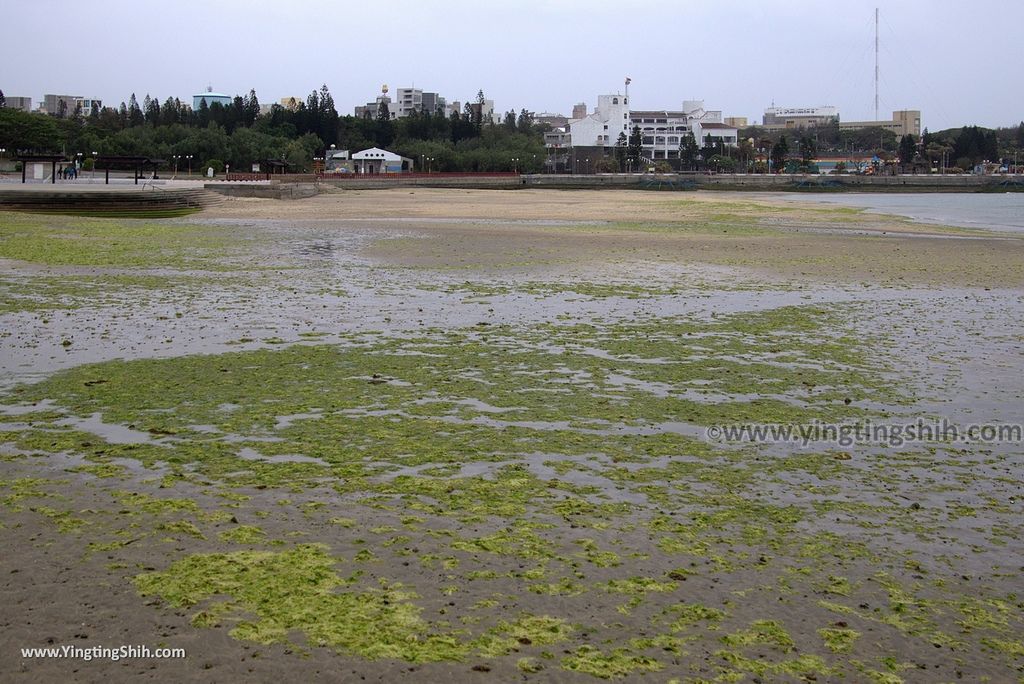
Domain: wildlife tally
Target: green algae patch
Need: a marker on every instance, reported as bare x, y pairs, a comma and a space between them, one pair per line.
803, 666
243, 534
181, 527
19, 489
67, 241
838, 639
527, 630
614, 664
762, 632
299, 592
687, 615
152, 505
64, 520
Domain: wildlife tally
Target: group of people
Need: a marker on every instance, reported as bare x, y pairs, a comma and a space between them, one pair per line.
69, 172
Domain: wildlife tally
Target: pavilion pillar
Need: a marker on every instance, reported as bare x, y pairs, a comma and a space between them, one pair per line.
53, 172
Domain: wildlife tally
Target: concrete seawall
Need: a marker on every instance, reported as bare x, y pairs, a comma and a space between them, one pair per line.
301, 186
273, 190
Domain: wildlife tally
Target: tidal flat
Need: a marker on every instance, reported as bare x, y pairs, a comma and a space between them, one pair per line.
424, 434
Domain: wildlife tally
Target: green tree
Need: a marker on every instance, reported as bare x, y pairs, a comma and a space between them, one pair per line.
779, 152
688, 152
26, 131
620, 151
135, 115
525, 121
478, 111
204, 114
908, 148
808, 151
252, 107
327, 117
3, 100
151, 110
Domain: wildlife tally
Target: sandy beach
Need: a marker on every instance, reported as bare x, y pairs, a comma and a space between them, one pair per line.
479, 435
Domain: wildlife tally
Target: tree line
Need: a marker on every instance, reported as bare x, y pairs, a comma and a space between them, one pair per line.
237, 134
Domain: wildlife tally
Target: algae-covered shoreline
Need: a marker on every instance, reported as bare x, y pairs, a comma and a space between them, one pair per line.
462, 434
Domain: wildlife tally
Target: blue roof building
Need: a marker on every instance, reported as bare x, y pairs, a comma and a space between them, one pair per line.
210, 98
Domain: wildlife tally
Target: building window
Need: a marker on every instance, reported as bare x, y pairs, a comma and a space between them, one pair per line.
615, 100
648, 140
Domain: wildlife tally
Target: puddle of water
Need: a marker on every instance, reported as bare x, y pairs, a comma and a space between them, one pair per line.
250, 454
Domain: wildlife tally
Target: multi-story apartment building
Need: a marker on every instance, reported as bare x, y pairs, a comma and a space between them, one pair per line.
433, 103
22, 103
408, 100
59, 105
67, 105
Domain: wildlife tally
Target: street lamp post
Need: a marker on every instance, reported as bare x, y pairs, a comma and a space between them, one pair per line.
515, 164
176, 158
189, 157
94, 155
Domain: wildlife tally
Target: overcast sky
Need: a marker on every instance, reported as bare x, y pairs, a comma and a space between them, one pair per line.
951, 59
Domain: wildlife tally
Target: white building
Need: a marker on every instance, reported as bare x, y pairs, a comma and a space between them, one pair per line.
375, 160
89, 105
602, 128
661, 131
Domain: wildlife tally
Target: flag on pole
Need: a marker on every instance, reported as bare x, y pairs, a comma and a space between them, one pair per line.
628, 80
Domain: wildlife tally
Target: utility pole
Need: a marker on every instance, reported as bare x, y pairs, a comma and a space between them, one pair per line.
876, 64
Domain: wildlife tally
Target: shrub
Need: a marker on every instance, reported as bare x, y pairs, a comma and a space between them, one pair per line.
216, 164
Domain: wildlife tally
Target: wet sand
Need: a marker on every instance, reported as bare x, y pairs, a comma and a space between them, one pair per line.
487, 410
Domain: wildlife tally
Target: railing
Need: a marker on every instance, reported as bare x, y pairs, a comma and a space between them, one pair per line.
406, 175
248, 176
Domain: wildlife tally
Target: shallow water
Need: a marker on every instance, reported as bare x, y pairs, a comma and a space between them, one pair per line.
982, 211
